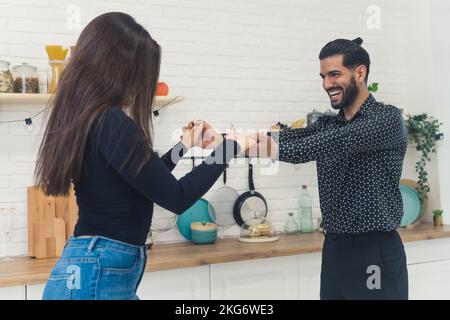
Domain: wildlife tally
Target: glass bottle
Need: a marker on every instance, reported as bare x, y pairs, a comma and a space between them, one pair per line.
7, 228
26, 79
305, 211
290, 226
6, 79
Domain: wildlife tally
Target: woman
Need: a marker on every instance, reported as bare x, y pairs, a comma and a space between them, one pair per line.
99, 138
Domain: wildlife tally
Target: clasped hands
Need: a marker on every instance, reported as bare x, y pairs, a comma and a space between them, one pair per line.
252, 143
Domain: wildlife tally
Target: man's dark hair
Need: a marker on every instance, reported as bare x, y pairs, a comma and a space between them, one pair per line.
354, 54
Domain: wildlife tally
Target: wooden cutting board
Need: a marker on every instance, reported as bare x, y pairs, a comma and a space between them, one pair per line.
51, 221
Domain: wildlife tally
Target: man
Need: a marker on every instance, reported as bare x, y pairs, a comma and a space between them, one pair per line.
359, 154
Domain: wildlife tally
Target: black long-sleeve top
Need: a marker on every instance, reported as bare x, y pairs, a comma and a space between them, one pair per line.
114, 202
359, 165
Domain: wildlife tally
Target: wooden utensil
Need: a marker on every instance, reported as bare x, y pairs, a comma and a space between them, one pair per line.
58, 230
52, 232
51, 220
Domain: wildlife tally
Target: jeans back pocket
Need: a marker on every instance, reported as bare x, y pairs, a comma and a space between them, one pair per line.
118, 261
73, 279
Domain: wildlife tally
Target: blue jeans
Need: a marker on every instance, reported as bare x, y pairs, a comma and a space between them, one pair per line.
96, 268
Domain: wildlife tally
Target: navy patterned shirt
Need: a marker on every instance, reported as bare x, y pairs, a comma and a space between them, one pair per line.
359, 165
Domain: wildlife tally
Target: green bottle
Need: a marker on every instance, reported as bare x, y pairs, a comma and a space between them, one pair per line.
305, 211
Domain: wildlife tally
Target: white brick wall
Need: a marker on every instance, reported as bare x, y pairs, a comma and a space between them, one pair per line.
247, 62
441, 65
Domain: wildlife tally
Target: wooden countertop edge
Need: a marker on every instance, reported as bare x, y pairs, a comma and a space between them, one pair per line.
186, 255
194, 262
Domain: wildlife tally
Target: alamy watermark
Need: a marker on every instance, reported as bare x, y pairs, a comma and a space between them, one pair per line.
374, 280
373, 22
74, 278
263, 151
73, 17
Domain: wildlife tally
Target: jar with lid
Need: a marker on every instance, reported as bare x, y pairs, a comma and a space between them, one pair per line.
6, 79
26, 79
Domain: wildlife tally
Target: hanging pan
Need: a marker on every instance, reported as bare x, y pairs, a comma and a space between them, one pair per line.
250, 204
221, 204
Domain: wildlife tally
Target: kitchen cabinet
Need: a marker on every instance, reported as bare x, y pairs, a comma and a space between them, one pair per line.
35, 291
429, 281
309, 266
189, 284
427, 251
12, 293
176, 284
295, 275
428, 271
271, 278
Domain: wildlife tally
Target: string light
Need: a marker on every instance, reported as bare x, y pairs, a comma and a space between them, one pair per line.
28, 121
156, 112
30, 126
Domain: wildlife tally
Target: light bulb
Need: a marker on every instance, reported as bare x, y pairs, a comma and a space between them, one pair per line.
30, 128
29, 125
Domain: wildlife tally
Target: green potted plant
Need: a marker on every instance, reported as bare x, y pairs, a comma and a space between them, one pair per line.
423, 132
437, 217
373, 87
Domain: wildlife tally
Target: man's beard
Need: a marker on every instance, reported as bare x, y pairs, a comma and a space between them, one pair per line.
349, 95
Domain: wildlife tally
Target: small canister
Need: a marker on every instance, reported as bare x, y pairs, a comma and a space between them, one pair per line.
203, 232
6, 78
26, 79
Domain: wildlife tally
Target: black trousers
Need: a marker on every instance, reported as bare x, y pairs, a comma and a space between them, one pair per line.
364, 267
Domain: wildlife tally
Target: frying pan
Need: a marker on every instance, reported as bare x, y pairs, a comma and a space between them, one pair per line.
163, 223
222, 203
223, 200
250, 204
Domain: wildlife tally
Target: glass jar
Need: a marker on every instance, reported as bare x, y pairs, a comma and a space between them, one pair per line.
258, 229
72, 51
290, 227
6, 79
54, 73
26, 79
7, 230
56, 62
319, 223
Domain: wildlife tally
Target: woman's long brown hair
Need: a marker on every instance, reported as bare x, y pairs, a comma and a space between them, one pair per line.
116, 63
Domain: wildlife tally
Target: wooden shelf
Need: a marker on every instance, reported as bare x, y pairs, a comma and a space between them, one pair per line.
23, 98
42, 99
162, 101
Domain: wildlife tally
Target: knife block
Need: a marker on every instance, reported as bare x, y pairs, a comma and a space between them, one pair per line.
51, 221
